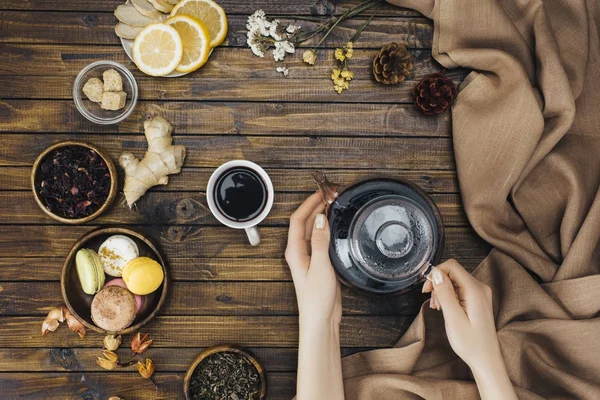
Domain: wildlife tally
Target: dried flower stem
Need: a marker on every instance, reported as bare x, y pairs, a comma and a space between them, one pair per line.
362, 28
153, 382
335, 21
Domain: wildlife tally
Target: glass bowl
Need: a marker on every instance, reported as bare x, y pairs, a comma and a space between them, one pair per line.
92, 110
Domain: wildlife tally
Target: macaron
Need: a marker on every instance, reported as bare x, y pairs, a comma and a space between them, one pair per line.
115, 252
89, 270
143, 275
120, 282
113, 308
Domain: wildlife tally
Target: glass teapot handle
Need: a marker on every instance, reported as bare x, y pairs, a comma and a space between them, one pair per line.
329, 190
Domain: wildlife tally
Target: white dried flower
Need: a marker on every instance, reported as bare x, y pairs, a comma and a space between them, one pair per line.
292, 28
283, 70
258, 22
274, 30
278, 52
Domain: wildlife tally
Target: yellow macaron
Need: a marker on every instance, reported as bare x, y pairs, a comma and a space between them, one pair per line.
143, 275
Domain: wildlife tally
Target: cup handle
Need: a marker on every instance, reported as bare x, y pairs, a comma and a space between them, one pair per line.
253, 235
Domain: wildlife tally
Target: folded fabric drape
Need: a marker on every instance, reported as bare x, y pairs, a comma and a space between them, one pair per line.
526, 134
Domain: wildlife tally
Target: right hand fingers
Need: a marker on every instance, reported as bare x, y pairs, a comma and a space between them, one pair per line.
445, 298
456, 273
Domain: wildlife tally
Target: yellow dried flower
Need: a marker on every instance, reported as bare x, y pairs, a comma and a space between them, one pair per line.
146, 370
350, 45
347, 74
339, 81
108, 360
339, 54
309, 57
349, 49
112, 342
335, 73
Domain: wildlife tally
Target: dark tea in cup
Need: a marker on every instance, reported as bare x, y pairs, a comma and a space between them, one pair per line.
240, 194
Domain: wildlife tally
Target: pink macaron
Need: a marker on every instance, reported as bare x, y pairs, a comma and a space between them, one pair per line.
120, 282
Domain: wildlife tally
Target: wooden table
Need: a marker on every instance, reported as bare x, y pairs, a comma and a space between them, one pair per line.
236, 106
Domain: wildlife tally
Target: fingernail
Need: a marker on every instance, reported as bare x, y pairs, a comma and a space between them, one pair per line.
437, 276
320, 221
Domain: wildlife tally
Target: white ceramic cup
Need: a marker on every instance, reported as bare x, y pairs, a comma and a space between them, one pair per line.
248, 226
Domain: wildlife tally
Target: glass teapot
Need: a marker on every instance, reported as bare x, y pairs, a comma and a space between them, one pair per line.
386, 233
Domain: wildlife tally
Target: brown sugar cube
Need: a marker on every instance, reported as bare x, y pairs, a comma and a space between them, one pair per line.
93, 89
113, 100
112, 81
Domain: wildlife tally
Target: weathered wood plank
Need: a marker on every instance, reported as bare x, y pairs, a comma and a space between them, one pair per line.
186, 208
214, 298
197, 88
231, 7
270, 152
98, 29
195, 241
180, 269
285, 180
128, 385
256, 119
202, 331
56, 359
226, 63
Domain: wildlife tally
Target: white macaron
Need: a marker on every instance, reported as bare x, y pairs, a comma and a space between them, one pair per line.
115, 252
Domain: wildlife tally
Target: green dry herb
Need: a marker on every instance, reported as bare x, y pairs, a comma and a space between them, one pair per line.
225, 376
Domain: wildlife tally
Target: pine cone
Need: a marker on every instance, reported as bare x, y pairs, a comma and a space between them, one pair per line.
434, 94
392, 64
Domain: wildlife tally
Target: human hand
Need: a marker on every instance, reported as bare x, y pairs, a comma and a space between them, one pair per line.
469, 319
467, 307
307, 254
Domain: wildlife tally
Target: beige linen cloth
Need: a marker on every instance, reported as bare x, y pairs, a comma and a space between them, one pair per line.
526, 132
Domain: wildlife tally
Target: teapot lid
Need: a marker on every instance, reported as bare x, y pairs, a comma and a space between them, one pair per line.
391, 238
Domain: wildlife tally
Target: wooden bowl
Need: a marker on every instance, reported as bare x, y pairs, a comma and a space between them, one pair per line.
79, 303
231, 349
35, 178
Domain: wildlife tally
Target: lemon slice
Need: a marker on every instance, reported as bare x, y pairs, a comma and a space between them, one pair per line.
208, 12
195, 38
157, 50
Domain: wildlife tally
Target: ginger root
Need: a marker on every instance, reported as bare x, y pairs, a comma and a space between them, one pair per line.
162, 159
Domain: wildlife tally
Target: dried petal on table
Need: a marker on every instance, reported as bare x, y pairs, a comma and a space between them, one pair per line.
112, 342
140, 343
108, 361
53, 319
147, 369
73, 323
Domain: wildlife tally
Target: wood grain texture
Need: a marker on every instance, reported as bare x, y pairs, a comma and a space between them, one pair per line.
214, 298
186, 208
56, 359
253, 119
297, 7
285, 180
232, 269
93, 28
195, 241
197, 88
229, 63
129, 385
202, 331
270, 152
